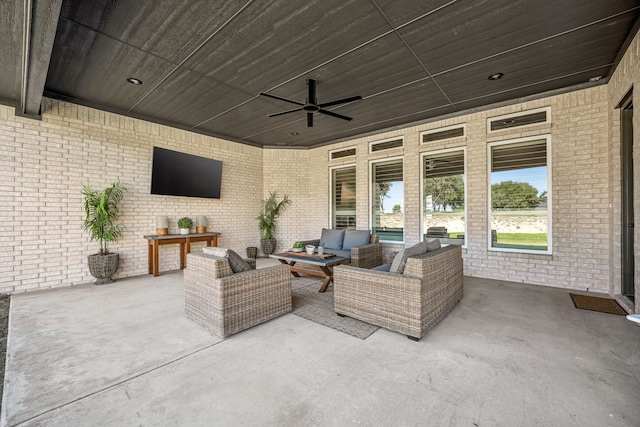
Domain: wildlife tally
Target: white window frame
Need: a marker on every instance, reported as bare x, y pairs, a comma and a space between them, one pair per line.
370, 179
464, 180
547, 138
379, 141
443, 129
349, 158
518, 114
331, 169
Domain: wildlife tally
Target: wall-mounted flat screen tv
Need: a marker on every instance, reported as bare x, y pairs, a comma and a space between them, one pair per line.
180, 174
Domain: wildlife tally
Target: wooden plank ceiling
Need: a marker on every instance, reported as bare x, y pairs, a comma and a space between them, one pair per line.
204, 64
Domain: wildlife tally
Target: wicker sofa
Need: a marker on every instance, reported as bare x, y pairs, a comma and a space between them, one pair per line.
364, 256
225, 303
411, 302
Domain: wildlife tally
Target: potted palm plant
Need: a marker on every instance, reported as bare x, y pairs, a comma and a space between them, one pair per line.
101, 209
271, 210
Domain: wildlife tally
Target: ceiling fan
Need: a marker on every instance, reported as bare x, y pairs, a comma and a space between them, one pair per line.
311, 105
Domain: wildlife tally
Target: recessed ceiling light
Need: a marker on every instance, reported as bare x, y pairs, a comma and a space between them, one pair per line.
295, 133
595, 79
134, 81
496, 76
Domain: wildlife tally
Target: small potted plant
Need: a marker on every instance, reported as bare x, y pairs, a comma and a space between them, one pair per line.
101, 209
184, 224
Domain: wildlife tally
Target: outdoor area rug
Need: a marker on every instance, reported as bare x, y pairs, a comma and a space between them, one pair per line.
312, 305
602, 305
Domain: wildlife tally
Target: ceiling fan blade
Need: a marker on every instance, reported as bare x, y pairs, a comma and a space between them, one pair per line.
340, 101
312, 91
281, 99
285, 112
309, 120
332, 114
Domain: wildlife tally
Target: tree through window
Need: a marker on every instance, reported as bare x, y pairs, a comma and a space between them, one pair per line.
443, 196
387, 199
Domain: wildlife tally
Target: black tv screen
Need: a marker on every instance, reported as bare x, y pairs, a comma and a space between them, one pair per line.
181, 174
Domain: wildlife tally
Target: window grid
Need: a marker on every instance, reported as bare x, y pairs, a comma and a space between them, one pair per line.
520, 196
443, 196
343, 197
387, 199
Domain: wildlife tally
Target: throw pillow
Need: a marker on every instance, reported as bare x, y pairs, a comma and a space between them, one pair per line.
237, 264
215, 251
355, 238
332, 239
395, 264
400, 260
433, 244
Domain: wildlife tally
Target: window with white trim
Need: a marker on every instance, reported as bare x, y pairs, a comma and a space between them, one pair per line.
443, 196
343, 197
520, 196
387, 199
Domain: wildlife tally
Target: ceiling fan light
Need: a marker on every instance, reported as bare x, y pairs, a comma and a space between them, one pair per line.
134, 81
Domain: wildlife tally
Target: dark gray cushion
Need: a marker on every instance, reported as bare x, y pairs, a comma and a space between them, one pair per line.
400, 260
237, 263
433, 245
355, 238
383, 267
331, 239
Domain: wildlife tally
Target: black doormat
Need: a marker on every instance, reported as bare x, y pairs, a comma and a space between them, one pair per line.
602, 305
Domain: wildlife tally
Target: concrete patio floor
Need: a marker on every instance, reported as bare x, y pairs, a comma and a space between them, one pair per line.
509, 354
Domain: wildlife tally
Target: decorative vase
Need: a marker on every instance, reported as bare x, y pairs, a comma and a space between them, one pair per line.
268, 245
185, 230
102, 267
252, 252
162, 225
201, 224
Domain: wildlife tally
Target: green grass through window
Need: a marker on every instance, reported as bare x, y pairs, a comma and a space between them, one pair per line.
532, 241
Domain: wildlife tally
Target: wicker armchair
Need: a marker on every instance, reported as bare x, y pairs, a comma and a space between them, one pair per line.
410, 303
225, 303
366, 256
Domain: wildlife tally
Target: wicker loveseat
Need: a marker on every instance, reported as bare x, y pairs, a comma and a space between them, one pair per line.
365, 255
411, 302
225, 303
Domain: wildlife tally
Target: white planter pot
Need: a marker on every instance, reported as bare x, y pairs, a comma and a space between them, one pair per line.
184, 231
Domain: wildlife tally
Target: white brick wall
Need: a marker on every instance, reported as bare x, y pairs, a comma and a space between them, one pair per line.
580, 166
45, 163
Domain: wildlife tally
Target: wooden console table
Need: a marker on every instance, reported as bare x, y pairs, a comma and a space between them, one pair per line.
185, 240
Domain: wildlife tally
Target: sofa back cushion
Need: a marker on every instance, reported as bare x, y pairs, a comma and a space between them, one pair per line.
400, 260
215, 251
332, 239
433, 245
355, 238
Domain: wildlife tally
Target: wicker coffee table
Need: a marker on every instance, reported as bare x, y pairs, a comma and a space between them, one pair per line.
323, 262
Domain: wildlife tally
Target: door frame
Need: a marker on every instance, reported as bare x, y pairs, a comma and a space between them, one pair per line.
627, 255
